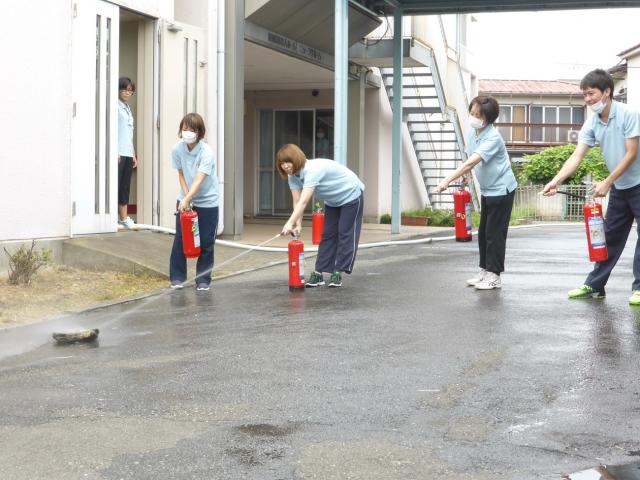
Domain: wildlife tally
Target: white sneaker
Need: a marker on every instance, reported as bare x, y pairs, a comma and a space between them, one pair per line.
489, 282
477, 279
127, 223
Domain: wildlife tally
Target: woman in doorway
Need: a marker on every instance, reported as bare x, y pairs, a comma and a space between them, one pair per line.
487, 153
342, 192
127, 159
196, 166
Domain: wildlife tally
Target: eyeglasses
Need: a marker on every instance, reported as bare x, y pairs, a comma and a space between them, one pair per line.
130, 92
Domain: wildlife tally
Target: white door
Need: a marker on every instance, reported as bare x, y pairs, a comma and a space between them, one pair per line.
182, 78
94, 147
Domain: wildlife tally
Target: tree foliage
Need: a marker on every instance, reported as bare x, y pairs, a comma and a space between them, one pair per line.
541, 167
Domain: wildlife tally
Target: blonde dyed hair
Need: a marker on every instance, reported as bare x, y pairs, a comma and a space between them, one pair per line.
290, 153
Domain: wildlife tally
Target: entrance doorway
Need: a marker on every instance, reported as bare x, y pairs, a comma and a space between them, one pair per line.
277, 128
95, 115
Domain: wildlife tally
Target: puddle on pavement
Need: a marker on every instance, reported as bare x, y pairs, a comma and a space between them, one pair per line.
629, 471
264, 430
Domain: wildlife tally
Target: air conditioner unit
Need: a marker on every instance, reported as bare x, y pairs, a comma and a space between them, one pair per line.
572, 136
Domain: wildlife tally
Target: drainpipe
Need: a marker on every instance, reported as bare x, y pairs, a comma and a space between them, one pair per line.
215, 95
341, 78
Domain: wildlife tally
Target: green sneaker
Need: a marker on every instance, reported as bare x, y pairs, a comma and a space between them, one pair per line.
634, 299
586, 291
315, 280
336, 279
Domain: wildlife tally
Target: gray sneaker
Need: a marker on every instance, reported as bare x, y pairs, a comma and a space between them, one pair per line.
489, 282
202, 287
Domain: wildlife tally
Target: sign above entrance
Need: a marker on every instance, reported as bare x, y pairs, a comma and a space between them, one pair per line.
275, 41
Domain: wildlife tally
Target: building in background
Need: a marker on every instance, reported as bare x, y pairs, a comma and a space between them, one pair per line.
626, 76
256, 76
536, 114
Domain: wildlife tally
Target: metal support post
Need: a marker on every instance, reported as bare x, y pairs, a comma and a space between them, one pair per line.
396, 139
234, 118
341, 78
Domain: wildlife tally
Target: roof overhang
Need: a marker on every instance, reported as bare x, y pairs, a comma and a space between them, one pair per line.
312, 22
433, 7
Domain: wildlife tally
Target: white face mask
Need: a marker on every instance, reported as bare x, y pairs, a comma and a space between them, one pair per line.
598, 107
189, 137
320, 135
476, 122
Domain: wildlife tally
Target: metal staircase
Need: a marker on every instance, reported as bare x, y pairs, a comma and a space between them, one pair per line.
433, 126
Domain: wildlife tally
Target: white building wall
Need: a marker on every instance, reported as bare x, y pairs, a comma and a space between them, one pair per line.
377, 177
36, 120
633, 82
153, 8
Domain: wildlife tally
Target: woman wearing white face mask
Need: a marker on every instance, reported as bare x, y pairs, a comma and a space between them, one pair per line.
488, 154
196, 166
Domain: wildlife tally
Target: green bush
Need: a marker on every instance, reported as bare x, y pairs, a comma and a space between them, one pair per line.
23, 263
385, 219
541, 167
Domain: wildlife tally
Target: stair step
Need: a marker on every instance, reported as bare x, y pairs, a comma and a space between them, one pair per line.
439, 150
417, 97
451, 140
434, 131
410, 122
408, 74
410, 110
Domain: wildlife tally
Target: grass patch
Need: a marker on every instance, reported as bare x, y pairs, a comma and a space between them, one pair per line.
57, 289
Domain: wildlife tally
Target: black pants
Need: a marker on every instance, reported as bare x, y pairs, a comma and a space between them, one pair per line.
340, 236
492, 234
623, 208
125, 170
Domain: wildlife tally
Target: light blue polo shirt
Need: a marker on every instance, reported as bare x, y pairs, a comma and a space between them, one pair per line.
125, 130
200, 159
494, 172
334, 183
623, 123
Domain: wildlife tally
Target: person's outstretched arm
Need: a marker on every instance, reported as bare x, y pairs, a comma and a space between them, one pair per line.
568, 169
461, 171
600, 189
300, 200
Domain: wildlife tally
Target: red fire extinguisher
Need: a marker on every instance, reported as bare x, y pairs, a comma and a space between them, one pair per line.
594, 223
317, 224
190, 233
296, 264
462, 213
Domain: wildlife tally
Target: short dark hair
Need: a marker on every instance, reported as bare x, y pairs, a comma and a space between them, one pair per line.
488, 106
599, 79
195, 122
126, 82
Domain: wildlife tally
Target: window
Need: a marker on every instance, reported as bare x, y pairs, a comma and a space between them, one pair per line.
568, 117
512, 114
311, 130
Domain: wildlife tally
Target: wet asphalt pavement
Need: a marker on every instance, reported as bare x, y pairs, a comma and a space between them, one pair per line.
404, 373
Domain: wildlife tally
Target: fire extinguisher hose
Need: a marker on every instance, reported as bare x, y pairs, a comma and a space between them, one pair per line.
416, 241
